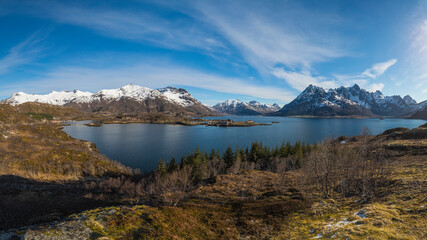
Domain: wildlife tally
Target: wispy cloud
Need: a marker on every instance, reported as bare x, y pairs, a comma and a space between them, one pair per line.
23, 53
375, 86
379, 68
135, 24
365, 78
266, 37
262, 35
418, 51
153, 76
300, 80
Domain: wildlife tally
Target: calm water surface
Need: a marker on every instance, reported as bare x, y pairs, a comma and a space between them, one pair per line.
142, 145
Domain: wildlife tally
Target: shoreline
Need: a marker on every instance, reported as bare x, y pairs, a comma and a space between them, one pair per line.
196, 122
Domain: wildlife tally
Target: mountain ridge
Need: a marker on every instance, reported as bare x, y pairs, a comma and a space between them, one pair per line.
350, 101
313, 101
237, 107
127, 99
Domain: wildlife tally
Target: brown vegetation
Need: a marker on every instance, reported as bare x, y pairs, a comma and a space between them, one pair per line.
57, 112
365, 187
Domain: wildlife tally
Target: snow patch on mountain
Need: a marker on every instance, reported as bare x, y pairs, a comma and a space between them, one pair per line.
179, 96
135, 92
348, 101
54, 98
235, 106
409, 100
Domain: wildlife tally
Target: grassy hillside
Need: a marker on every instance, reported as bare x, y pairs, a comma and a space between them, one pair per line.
366, 187
33, 149
43, 170
247, 205
48, 111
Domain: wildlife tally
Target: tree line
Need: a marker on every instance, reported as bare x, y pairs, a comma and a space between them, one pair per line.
257, 156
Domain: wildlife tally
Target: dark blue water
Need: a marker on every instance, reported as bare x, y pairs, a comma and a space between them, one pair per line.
142, 145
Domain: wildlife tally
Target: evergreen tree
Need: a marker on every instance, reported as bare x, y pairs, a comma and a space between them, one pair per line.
299, 156
228, 157
255, 153
242, 154
213, 154
161, 167
289, 149
172, 165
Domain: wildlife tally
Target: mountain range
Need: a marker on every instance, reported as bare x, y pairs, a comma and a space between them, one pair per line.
127, 99
350, 101
238, 107
313, 101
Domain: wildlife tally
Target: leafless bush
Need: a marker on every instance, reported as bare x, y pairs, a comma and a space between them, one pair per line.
216, 167
173, 187
235, 168
337, 168
320, 165
246, 165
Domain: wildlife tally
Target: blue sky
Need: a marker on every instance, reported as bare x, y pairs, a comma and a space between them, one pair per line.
263, 50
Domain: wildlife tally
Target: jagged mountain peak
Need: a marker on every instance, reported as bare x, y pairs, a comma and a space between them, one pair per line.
172, 89
409, 100
346, 101
356, 87
238, 107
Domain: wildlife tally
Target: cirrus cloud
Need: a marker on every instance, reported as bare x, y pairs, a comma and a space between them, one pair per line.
379, 68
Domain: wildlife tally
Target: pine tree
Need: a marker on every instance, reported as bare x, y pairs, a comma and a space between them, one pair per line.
228, 157
254, 152
213, 154
161, 167
172, 165
242, 154
299, 157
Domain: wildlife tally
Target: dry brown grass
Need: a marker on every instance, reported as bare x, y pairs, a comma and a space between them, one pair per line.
243, 205
41, 151
58, 112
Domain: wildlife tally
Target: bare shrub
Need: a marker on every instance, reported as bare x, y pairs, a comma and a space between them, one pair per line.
173, 187
246, 165
216, 167
235, 168
350, 171
320, 166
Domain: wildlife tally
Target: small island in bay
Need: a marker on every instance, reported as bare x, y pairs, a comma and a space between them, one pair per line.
187, 121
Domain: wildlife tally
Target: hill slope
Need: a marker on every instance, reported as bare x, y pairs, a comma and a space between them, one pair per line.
420, 114
36, 150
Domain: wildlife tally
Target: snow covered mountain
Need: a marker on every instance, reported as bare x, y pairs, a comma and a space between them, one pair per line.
127, 99
349, 101
179, 96
54, 98
409, 100
243, 108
